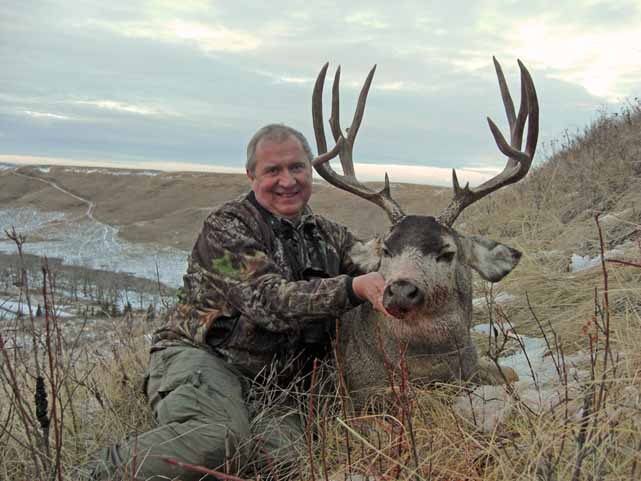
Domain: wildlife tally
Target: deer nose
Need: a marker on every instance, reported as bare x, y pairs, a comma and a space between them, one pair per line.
402, 295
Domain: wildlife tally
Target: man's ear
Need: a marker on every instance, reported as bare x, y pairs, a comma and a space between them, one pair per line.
366, 255
493, 261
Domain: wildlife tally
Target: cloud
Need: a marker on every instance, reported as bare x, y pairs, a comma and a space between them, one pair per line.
121, 107
398, 85
45, 115
596, 60
183, 6
208, 38
367, 20
286, 79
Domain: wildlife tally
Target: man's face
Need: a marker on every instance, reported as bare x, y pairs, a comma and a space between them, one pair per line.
282, 180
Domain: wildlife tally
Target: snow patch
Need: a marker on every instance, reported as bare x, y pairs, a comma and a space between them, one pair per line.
26, 221
89, 243
137, 172
580, 263
500, 298
535, 353
112, 172
9, 309
538, 386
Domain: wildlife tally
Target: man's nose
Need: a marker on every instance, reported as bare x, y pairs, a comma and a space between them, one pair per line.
287, 179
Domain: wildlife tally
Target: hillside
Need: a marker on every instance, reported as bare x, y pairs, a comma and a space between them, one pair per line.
168, 208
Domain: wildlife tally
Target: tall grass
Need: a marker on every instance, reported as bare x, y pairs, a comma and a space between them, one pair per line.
62, 398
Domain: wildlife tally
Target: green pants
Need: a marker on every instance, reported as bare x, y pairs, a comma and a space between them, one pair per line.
203, 419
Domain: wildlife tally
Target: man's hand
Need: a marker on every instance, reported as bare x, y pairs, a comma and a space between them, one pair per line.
370, 287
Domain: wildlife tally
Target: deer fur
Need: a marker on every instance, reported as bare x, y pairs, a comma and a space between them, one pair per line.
429, 338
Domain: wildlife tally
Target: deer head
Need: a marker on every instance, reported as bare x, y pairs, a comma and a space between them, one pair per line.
425, 262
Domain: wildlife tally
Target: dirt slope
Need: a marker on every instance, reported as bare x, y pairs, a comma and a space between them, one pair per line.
169, 208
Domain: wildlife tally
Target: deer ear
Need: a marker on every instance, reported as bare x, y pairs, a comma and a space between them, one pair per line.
493, 261
367, 255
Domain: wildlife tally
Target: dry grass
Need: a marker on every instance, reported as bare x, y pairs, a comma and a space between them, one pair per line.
586, 427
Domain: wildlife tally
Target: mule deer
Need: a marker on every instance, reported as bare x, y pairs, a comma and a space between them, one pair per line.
425, 262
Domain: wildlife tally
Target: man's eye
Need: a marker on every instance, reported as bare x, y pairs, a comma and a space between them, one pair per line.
298, 168
385, 251
445, 257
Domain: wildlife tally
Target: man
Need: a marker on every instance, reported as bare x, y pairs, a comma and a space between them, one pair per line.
265, 281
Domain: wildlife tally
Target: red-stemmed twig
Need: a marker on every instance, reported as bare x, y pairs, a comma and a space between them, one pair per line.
53, 371
342, 392
606, 316
624, 263
324, 442
396, 392
199, 469
310, 418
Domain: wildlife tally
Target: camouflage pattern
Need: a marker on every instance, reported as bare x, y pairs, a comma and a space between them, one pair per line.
260, 289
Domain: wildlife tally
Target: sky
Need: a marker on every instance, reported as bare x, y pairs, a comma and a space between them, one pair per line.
183, 84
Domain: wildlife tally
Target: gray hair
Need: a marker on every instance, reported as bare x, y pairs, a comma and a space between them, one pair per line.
276, 133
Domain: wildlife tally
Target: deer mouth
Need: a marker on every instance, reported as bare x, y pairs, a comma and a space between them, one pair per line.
412, 304
399, 312
421, 326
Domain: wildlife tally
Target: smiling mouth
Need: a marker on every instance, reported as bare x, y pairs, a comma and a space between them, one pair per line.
287, 195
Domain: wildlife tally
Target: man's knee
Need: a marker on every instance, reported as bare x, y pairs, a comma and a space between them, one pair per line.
196, 430
194, 384
215, 417
212, 445
201, 406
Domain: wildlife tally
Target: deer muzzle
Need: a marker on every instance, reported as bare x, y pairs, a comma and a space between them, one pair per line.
401, 297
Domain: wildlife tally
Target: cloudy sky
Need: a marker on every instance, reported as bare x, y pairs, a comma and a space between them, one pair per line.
160, 82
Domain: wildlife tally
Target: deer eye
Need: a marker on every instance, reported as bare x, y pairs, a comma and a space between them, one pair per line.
445, 257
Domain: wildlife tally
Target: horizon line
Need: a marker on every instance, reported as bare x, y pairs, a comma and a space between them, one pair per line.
399, 173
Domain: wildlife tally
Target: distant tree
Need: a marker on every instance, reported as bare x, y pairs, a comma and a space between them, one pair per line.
39, 311
150, 315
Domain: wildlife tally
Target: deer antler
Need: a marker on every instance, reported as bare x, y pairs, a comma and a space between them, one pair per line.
519, 162
345, 144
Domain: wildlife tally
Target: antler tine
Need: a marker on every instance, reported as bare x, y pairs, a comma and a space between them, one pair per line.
519, 162
345, 144
360, 106
533, 109
334, 118
335, 124
317, 110
317, 119
505, 93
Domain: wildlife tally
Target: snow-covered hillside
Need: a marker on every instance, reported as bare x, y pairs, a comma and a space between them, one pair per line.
89, 243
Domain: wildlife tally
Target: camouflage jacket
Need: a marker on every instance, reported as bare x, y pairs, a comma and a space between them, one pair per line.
260, 290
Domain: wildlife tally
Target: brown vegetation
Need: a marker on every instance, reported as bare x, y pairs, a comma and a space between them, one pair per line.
584, 200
